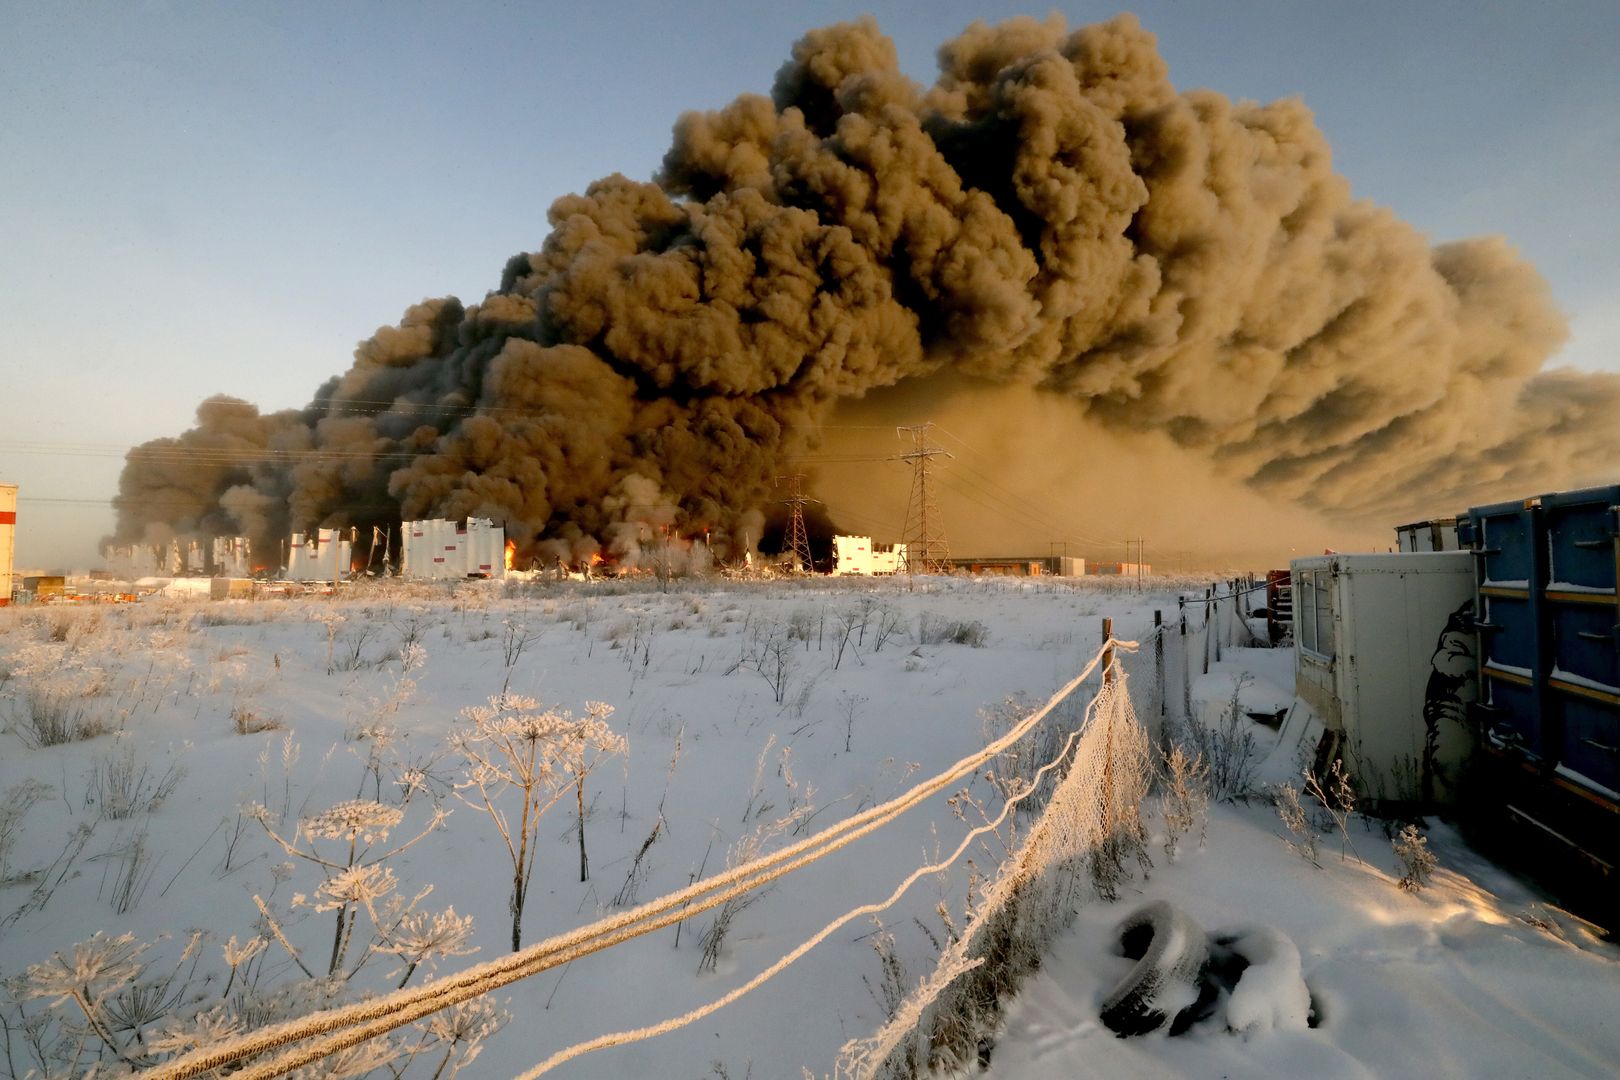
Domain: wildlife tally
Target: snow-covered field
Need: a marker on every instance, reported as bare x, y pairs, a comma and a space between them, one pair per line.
752, 714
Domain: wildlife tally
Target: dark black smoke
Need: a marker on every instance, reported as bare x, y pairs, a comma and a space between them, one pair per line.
1051, 213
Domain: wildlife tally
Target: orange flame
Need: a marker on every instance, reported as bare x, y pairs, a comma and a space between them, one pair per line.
511, 553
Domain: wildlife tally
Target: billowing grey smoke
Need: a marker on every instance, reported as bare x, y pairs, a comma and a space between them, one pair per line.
1051, 213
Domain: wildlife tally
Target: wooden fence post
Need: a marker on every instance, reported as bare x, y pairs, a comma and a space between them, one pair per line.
1158, 656
1108, 652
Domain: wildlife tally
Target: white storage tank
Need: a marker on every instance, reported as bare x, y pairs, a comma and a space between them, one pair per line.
323, 555
1384, 661
8, 539
485, 549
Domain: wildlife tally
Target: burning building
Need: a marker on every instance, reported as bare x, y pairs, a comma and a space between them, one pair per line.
1051, 213
435, 550
323, 555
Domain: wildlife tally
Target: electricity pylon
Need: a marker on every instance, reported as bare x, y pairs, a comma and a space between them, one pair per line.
798, 539
926, 550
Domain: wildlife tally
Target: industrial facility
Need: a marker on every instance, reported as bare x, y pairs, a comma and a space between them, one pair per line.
858, 555
1024, 566
439, 550
323, 555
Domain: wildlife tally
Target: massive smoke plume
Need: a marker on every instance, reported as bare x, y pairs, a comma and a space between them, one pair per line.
1051, 215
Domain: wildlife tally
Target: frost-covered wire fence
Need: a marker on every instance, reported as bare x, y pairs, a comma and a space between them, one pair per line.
330, 1031
1088, 838
1204, 629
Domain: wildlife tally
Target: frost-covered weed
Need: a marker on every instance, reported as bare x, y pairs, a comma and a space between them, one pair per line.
14, 806
52, 715
340, 843
932, 630
517, 751
1228, 747
1417, 861
120, 785
1184, 798
1301, 838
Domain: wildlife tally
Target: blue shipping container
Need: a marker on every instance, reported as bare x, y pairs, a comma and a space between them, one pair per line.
1549, 626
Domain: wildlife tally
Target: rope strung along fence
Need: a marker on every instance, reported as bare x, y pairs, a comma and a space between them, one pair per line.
350, 1025
1088, 832
622, 1038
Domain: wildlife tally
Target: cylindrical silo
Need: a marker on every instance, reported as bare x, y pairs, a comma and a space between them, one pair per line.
8, 538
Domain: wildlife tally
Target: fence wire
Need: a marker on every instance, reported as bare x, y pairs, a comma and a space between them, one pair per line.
1087, 840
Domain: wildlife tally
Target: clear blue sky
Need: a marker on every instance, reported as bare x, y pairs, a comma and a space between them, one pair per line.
224, 198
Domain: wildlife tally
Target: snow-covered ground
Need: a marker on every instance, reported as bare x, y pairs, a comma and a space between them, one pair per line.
726, 735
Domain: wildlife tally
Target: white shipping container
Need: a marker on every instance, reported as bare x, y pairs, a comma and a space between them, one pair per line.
1437, 535
1384, 660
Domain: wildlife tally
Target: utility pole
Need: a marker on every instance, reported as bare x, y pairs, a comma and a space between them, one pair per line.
926, 549
798, 538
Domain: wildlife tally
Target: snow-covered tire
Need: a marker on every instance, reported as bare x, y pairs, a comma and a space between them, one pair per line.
1170, 951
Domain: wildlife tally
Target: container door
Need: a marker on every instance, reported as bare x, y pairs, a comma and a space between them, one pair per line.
1510, 567
1583, 619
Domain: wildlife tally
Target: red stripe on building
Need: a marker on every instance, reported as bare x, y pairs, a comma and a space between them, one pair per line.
8, 517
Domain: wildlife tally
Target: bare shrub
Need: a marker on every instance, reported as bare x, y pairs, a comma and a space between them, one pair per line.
630, 892
888, 621
1417, 861
745, 850
1338, 798
51, 715
1301, 838
893, 982
247, 719
351, 647
936, 631
121, 785
134, 867
776, 660
849, 707
1228, 747
1184, 803
14, 806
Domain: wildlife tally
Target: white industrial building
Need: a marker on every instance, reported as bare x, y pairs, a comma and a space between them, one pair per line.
859, 555
436, 549
323, 555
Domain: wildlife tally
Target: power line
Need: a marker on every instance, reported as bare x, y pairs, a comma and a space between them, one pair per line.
798, 539
926, 549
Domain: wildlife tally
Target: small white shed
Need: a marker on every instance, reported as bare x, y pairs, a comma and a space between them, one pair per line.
1384, 659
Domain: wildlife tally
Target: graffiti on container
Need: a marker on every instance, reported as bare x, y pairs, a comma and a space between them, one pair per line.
1449, 680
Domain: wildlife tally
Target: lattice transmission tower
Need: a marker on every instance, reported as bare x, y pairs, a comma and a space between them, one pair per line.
798, 539
923, 534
